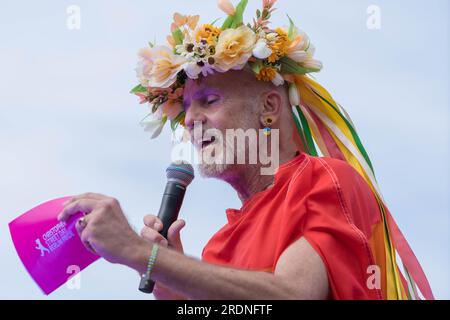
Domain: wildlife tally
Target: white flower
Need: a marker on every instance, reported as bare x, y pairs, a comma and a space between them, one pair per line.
262, 50
192, 70
153, 126
299, 56
207, 70
165, 67
154, 123
145, 65
278, 80
313, 64
301, 48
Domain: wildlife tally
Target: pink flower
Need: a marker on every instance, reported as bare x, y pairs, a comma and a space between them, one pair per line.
178, 93
268, 3
172, 109
227, 7
143, 97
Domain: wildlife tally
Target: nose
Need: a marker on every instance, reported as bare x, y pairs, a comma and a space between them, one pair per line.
194, 114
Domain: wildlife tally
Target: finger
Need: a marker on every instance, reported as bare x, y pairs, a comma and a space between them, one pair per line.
173, 234
84, 236
82, 205
161, 292
153, 236
153, 222
88, 246
87, 195
81, 224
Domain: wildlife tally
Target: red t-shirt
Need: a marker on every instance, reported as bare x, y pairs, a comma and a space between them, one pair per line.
323, 200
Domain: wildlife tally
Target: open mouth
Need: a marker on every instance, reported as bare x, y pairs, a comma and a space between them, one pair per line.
207, 142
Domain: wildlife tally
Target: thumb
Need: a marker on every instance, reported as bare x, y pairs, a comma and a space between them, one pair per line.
173, 235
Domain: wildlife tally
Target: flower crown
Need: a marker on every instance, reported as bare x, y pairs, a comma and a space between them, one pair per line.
194, 50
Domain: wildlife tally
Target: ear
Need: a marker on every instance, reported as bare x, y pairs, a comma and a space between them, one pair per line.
271, 108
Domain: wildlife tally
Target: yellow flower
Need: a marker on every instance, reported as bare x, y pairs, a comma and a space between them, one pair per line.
166, 66
208, 33
234, 48
279, 43
270, 74
266, 74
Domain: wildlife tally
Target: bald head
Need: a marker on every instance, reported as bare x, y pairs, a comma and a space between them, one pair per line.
242, 95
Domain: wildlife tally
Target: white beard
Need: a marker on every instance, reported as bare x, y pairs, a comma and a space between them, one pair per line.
217, 159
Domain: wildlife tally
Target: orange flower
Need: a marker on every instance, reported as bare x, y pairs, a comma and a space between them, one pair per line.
270, 74
207, 32
279, 43
267, 74
180, 21
171, 41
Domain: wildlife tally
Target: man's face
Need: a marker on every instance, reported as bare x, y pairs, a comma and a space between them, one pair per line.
220, 101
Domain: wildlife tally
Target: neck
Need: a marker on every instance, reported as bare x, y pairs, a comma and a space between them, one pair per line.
247, 179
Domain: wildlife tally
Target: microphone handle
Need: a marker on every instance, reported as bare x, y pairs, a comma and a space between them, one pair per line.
168, 213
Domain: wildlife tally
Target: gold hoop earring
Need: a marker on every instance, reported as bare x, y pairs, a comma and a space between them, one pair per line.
268, 121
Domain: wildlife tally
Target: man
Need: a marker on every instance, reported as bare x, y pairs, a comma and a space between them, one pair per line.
299, 273
317, 229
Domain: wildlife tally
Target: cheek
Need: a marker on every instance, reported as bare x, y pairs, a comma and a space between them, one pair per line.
231, 115
226, 118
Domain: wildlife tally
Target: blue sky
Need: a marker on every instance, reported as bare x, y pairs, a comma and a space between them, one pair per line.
68, 124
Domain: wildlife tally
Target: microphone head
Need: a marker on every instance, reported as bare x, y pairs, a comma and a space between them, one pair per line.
181, 172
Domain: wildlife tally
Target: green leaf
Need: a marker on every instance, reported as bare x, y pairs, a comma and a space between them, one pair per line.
289, 66
214, 22
175, 122
256, 66
258, 13
178, 36
139, 89
228, 22
292, 31
239, 15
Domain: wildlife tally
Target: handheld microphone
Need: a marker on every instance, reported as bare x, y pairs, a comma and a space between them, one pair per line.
179, 176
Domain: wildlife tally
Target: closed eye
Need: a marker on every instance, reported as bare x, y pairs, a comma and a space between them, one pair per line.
211, 99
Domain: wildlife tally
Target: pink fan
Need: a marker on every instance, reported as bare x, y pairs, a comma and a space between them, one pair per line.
49, 248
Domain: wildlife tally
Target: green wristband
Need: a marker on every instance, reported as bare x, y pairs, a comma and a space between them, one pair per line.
151, 261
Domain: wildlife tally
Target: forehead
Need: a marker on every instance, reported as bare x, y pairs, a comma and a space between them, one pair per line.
224, 84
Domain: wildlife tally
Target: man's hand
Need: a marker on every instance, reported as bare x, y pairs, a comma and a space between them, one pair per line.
104, 229
151, 232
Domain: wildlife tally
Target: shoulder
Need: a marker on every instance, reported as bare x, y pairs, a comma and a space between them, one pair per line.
327, 181
323, 171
